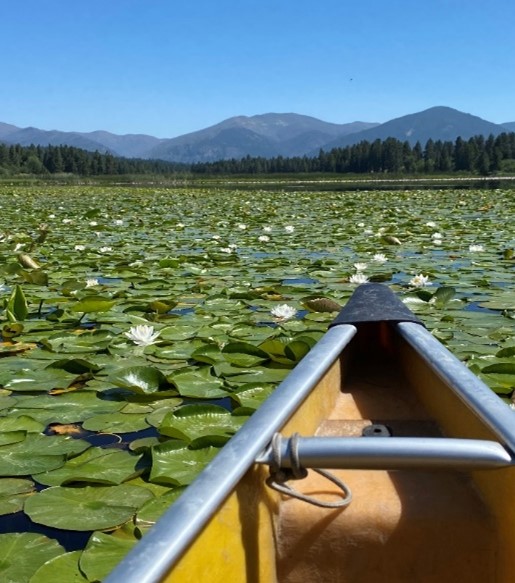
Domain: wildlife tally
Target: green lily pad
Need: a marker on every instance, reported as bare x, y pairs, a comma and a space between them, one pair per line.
21, 423
38, 453
198, 384
39, 381
93, 304
70, 407
100, 466
175, 464
23, 553
102, 553
152, 510
86, 508
252, 395
142, 380
244, 354
13, 492
62, 568
116, 423
191, 422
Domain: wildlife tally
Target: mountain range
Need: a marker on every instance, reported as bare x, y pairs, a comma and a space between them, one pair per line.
267, 135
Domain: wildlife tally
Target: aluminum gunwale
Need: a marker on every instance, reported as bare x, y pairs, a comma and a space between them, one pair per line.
163, 545
392, 453
469, 388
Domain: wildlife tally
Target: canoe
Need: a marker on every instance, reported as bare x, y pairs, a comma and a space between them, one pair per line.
381, 457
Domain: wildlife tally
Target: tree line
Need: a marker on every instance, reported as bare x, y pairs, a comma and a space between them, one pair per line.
43, 160
478, 155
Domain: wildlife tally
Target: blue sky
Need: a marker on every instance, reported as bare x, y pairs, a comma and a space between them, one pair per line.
169, 67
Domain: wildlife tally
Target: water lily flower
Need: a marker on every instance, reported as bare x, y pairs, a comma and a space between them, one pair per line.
118, 222
180, 225
51, 216
420, 281
242, 226
380, 258
289, 228
105, 249
93, 223
91, 282
476, 248
360, 266
358, 278
66, 221
283, 312
142, 335
80, 247
267, 229
226, 249
263, 238
431, 224
437, 236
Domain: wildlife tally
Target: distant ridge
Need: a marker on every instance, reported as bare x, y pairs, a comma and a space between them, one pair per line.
266, 135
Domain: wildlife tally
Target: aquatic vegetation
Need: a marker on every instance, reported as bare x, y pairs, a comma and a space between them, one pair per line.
141, 327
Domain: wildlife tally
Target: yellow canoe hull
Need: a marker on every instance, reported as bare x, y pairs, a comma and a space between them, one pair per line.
402, 525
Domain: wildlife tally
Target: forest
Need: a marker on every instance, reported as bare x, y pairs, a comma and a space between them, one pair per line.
477, 155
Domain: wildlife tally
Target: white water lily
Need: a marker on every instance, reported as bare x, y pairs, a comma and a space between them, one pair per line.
242, 226
105, 249
360, 266
267, 229
118, 222
67, 221
91, 282
289, 228
226, 249
431, 224
476, 248
142, 335
80, 247
358, 278
263, 238
283, 312
380, 258
93, 223
420, 281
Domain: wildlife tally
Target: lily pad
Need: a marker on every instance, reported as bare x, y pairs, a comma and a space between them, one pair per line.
13, 492
86, 508
62, 568
175, 464
191, 422
142, 380
23, 553
102, 553
38, 453
198, 384
95, 465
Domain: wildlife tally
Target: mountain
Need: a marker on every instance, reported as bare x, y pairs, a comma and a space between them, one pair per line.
129, 146
267, 135
436, 123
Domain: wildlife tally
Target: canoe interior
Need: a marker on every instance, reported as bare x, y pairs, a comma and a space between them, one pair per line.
404, 525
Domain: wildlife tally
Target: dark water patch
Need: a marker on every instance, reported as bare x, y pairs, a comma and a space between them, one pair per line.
475, 307
71, 540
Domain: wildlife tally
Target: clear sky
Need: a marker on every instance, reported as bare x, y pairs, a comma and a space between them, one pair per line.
169, 67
